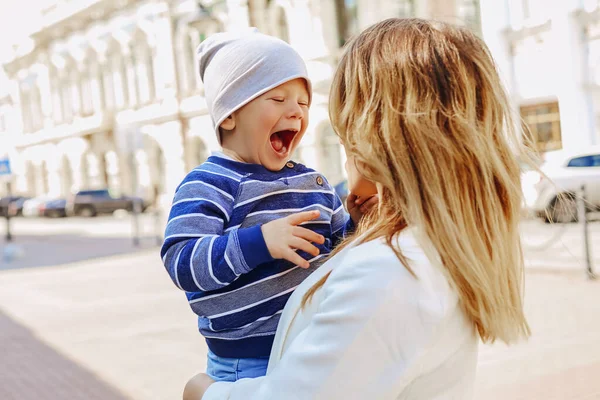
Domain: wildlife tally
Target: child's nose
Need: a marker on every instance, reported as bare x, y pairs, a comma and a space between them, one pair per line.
295, 111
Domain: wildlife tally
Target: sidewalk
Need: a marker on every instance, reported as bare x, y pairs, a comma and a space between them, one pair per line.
117, 328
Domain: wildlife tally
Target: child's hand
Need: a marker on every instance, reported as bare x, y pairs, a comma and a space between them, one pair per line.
359, 206
283, 236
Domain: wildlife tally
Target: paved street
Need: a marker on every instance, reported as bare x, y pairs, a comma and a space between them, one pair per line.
84, 314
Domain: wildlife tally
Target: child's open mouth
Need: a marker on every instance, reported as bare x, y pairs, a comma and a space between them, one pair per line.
282, 140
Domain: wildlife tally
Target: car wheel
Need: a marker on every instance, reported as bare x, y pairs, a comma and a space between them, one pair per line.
87, 212
563, 209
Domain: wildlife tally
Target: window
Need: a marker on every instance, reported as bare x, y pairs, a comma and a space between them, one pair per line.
542, 123
585, 161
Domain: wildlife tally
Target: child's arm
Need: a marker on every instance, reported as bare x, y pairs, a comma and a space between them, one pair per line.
198, 253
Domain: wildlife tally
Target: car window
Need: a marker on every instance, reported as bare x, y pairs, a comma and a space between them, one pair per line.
596, 160
579, 162
102, 193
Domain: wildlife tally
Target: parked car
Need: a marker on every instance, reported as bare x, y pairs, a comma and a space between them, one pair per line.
16, 207
31, 207
56, 208
89, 203
554, 197
5, 203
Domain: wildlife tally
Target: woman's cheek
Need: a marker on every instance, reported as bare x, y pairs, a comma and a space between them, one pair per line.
357, 184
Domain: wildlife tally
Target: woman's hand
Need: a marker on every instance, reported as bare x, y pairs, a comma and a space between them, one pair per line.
359, 206
197, 386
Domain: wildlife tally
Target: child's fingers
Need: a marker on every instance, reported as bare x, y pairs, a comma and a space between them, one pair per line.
359, 200
304, 245
298, 218
293, 257
369, 204
307, 234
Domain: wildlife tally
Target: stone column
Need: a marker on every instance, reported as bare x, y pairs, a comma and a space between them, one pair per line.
575, 103
163, 61
43, 83
53, 170
170, 139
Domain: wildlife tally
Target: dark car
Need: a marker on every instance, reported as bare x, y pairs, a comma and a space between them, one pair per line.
89, 203
56, 208
5, 203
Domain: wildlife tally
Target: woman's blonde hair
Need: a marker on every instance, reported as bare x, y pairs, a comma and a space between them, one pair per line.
420, 106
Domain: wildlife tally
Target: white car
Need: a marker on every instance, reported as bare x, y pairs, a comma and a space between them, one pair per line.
31, 207
554, 198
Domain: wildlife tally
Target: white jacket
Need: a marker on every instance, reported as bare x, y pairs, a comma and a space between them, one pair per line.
371, 332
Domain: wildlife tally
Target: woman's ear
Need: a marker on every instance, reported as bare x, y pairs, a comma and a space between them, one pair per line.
228, 124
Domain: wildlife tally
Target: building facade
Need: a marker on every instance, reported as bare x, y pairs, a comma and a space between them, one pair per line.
106, 94
549, 54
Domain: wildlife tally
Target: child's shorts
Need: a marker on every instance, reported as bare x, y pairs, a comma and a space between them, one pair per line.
223, 369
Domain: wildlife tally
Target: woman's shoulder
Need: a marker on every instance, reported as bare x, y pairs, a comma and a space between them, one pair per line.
418, 274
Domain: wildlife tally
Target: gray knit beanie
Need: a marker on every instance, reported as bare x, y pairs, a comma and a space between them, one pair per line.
237, 67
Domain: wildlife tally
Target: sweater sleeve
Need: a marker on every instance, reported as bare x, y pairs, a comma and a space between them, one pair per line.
198, 252
365, 341
341, 224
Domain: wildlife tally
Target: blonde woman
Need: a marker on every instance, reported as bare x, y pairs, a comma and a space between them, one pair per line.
398, 311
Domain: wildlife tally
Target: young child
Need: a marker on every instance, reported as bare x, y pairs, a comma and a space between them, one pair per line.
248, 225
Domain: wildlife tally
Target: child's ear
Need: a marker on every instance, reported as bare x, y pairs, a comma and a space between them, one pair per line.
228, 124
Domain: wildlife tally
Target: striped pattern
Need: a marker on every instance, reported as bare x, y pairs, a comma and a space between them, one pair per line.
214, 249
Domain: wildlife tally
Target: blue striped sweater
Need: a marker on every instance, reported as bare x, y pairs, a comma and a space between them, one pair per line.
214, 249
